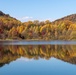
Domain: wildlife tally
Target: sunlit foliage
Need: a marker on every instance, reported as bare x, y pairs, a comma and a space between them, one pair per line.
11, 28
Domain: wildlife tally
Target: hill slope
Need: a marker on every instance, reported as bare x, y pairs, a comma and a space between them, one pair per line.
61, 29
71, 18
7, 23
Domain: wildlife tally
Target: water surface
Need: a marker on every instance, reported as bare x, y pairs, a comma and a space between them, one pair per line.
38, 59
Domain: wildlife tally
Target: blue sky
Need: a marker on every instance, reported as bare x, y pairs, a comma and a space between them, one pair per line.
38, 9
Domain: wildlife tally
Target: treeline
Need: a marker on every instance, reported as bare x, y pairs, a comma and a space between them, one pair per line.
10, 53
11, 28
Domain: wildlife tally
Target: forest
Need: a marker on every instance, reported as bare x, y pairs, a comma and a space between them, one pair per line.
61, 29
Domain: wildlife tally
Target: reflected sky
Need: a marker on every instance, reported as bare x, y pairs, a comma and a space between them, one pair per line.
39, 67
38, 60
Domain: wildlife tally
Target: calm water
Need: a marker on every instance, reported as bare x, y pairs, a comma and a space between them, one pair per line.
38, 58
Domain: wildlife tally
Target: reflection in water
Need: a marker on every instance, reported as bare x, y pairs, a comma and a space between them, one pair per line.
10, 53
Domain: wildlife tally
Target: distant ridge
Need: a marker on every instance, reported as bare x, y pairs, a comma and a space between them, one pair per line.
71, 18
3, 14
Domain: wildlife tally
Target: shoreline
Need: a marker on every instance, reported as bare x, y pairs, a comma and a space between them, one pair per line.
37, 42
34, 40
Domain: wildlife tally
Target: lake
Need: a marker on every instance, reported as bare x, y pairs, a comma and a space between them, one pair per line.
38, 58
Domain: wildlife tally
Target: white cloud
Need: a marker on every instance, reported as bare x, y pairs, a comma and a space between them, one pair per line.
25, 18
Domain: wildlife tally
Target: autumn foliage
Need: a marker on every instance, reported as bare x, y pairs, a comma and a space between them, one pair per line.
62, 29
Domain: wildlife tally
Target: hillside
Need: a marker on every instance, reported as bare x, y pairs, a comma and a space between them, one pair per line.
71, 18
6, 23
61, 29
